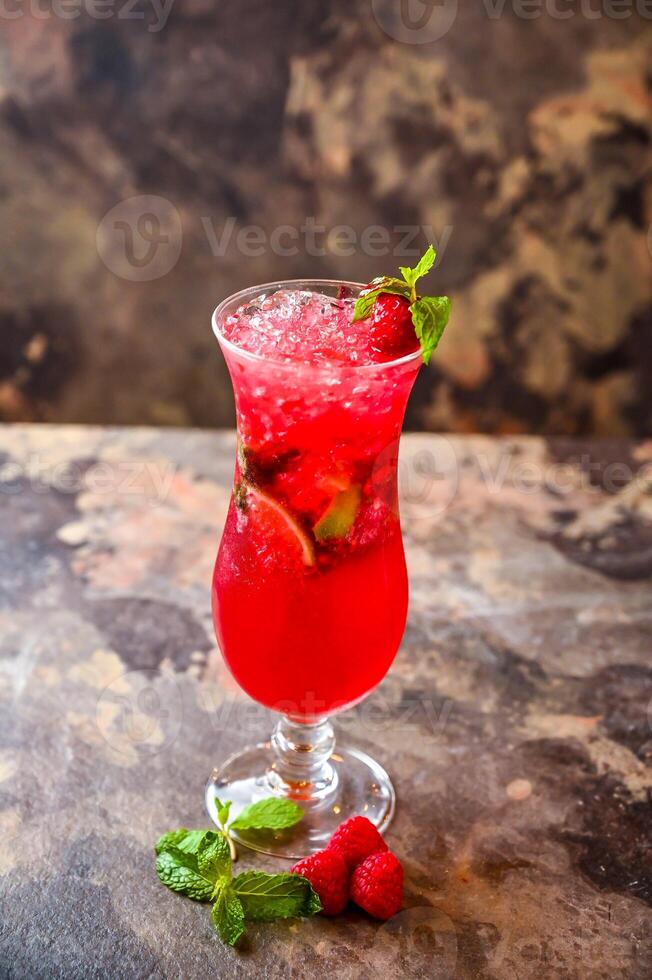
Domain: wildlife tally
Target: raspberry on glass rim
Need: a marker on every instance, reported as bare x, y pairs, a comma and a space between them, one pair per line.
392, 331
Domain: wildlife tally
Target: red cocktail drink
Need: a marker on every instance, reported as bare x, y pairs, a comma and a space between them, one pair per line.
310, 586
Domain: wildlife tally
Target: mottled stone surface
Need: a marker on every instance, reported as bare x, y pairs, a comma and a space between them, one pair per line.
516, 720
521, 143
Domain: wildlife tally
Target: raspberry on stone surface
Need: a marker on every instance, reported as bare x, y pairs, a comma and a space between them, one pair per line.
377, 885
329, 876
356, 839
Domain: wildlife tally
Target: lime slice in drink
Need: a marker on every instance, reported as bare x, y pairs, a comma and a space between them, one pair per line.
339, 517
276, 520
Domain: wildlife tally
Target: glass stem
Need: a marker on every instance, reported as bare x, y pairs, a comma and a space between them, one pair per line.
301, 768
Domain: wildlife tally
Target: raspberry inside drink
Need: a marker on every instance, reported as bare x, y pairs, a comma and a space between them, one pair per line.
310, 586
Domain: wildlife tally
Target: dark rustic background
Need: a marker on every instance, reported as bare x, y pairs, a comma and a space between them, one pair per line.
522, 142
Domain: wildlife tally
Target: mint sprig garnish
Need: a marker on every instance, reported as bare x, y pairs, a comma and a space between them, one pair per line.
269, 814
198, 864
421, 269
430, 314
384, 284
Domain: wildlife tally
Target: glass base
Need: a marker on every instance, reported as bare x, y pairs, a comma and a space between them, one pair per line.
357, 785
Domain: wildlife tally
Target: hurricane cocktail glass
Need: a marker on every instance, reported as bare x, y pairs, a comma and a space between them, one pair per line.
310, 589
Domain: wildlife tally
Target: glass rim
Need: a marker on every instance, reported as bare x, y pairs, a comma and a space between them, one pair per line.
227, 344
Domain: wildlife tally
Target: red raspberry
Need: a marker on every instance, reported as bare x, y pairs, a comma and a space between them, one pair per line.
329, 876
392, 330
377, 885
356, 839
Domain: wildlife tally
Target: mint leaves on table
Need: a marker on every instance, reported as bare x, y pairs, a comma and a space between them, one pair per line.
268, 814
429, 313
191, 861
267, 897
184, 839
228, 915
198, 864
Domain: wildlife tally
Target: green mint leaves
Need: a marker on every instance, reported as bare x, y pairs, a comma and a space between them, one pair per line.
194, 863
259, 897
430, 314
213, 858
228, 915
197, 863
421, 269
267, 897
384, 284
186, 840
269, 814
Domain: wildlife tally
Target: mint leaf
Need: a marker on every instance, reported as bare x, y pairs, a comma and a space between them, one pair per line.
228, 916
213, 857
364, 305
269, 814
192, 862
223, 811
180, 872
267, 897
385, 284
389, 284
430, 315
186, 840
422, 268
